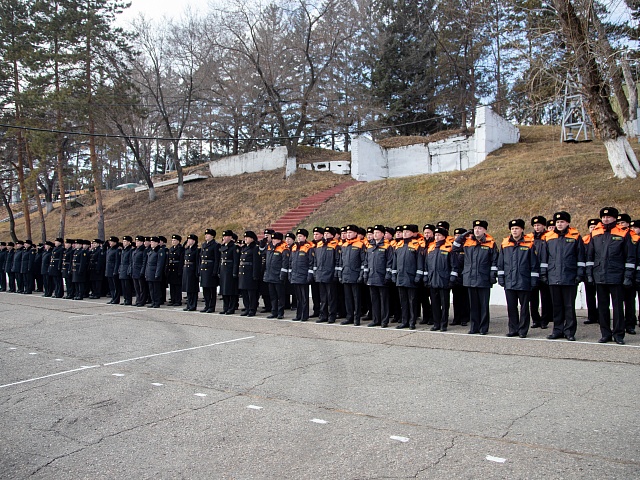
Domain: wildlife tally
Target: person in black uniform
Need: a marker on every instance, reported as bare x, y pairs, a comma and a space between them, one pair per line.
249, 273
138, 262
191, 265
377, 275
630, 318
540, 303
28, 260
112, 262
55, 268
37, 268
125, 270
45, 260
154, 272
8, 268
290, 295
229, 263
80, 270
209, 269
325, 272
96, 268
3, 260
590, 288
175, 265
458, 290
423, 291
67, 272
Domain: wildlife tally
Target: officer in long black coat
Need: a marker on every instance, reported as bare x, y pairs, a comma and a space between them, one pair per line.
80, 269
67, 273
125, 269
27, 262
138, 259
229, 264
208, 269
112, 263
175, 260
55, 268
249, 272
190, 268
36, 271
154, 272
47, 283
8, 268
3, 259
96, 268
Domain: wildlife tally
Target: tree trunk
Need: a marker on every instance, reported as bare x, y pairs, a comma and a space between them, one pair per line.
20, 152
95, 170
12, 221
630, 127
596, 92
43, 225
178, 166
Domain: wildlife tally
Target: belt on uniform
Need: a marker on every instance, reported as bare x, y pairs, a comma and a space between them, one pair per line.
248, 264
188, 263
207, 261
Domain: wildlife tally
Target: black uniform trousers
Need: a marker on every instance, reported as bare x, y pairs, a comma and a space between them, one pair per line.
440, 306
592, 305
365, 300
147, 290
79, 289
328, 302
127, 290
20, 282
611, 295
302, 301
47, 285
379, 305
460, 305
266, 296
114, 289
192, 300
564, 309
156, 290
209, 294
479, 309
541, 305
27, 282
71, 292
137, 286
630, 318
175, 293
250, 300
3, 281
518, 320
395, 310
352, 302
96, 288
229, 303
277, 294
408, 299
58, 287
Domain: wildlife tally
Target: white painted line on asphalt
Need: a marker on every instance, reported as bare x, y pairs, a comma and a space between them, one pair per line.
102, 314
496, 459
49, 376
33, 353
200, 394
59, 360
177, 351
118, 374
399, 439
318, 420
157, 384
12, 348
254, 407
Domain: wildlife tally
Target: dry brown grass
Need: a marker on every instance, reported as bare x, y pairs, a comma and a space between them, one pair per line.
539, 175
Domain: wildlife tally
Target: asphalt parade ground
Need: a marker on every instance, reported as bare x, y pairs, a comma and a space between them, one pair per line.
89, 390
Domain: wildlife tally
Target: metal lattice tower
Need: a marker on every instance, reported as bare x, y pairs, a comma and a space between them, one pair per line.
575, 120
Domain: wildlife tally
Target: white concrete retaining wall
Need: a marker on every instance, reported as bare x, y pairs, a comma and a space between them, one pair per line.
267, 159
371, 162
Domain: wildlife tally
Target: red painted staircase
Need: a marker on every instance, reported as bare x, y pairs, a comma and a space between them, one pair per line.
307, 206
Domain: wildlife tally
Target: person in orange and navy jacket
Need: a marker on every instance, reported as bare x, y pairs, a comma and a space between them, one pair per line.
377, 275
301, 273
590, 287
630, 318
562, 261
518, 274
423, 293
438, 263
408, 272
325, 272
351, 274
635, 228
611, 264
479, 269
395, 312
540, 300
276, 269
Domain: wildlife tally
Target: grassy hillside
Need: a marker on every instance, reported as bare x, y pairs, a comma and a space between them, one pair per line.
539, 175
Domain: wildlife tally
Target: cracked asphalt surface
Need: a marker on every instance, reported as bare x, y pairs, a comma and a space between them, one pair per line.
542, 409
